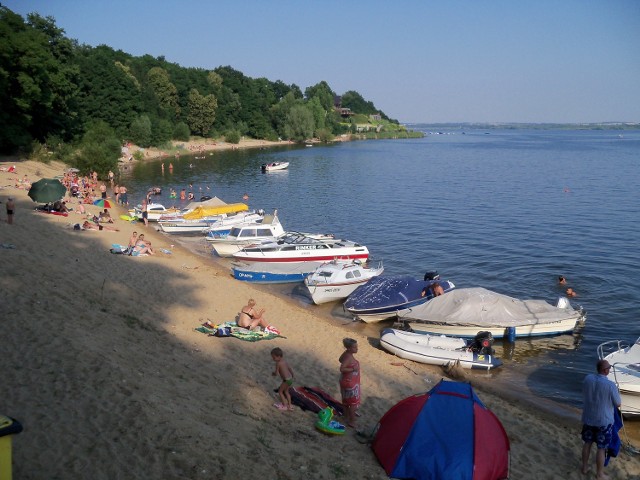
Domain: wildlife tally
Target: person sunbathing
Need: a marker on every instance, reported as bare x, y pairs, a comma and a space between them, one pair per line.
87, 225
250, 317
142, 246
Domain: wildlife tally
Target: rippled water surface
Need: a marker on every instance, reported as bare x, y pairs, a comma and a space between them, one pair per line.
508, 210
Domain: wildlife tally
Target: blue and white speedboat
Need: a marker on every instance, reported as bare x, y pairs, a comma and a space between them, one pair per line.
272, 273
385, 297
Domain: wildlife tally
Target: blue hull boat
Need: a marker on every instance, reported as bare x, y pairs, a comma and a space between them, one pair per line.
273, 273
385, 297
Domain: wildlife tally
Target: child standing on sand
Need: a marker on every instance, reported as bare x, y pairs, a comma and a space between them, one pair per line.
286, 374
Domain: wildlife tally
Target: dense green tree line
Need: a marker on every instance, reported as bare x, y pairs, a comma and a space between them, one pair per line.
59, 93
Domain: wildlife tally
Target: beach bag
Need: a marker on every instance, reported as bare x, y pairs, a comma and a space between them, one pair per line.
223, 332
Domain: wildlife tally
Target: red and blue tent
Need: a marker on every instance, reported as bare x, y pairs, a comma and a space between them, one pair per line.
444, 433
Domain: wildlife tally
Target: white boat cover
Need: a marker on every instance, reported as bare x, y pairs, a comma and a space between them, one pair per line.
483, 308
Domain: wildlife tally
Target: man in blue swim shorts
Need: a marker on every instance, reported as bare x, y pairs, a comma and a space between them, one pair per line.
600, 397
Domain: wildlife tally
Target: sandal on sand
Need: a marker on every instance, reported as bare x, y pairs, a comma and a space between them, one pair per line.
291, 409
280, 406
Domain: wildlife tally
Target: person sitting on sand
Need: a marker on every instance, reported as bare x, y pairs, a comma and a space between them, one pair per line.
143, 246
105, 217
250, 317
92, 226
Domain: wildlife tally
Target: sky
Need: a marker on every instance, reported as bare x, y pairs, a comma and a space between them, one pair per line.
446, 61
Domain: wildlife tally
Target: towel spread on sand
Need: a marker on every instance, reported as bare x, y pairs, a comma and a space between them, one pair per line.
237, 332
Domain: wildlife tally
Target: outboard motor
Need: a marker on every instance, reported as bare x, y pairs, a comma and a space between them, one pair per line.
431, 276
482, 343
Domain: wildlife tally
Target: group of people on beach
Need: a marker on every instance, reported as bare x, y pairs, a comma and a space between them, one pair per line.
350, 391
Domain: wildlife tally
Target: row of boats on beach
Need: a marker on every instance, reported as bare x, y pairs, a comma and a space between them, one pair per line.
438, 323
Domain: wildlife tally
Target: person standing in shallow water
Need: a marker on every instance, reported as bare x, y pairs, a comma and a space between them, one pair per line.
350, 380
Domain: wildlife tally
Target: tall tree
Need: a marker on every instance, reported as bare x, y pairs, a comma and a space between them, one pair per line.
202, 112
299, 124
165, 91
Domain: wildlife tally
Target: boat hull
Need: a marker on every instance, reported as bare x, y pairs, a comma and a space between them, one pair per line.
435, 350
288, 273
498, 331
337, 280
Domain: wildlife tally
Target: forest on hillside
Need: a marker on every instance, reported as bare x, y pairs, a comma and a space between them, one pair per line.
62, 96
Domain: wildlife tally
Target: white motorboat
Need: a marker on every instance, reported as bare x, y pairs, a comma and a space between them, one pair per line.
223, 226
274, 166
440, 349
154, 211
244, 235
464, 311
625, 372
300, 247
337, 279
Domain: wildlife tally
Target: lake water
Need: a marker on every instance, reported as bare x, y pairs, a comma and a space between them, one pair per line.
508, 210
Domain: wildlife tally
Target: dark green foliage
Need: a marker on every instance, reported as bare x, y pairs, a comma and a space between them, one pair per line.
181, 132
99, 150
232, 136
52, 87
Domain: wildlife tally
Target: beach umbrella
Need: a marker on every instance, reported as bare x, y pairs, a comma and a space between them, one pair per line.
102, 203
444, 433
47, 190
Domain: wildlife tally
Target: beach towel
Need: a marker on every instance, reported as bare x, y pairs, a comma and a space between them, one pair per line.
314, 399
119, 249
237, 332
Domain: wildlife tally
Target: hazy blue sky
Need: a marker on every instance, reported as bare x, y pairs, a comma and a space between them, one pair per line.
418, 61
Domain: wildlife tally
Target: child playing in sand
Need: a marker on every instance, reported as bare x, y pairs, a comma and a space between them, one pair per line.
286, 373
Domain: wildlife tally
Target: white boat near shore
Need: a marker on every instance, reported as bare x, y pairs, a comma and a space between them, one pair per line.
337, 279
464, 311
625, 372
439, 349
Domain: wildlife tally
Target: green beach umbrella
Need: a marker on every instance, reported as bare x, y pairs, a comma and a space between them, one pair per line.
47, 190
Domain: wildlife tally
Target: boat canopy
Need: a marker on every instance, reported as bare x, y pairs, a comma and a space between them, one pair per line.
212, 202
200, 212
386, 291
483, 308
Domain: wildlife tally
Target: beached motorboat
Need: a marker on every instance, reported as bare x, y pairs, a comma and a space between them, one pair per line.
440, 349
337, 279
223, 226
274, 166
464, 311
386, 297
200, 219
295, 247
243, 235
154, 211
625, 372
272, 272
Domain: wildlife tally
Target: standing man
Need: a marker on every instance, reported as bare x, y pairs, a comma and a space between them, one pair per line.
600, 397
11, 208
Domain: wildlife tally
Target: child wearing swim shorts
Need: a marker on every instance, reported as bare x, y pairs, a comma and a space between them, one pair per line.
286, 374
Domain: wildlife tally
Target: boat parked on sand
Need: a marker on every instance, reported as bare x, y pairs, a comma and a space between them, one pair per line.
244, 235
625, 372
441, 350
337, 279
464, 311
272, 272
154, 211
385, 297
274, 166
295, 247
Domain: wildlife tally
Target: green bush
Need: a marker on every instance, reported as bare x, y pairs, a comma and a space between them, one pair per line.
232, 136
181, 132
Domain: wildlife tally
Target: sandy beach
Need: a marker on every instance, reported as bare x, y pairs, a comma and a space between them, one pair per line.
106, 372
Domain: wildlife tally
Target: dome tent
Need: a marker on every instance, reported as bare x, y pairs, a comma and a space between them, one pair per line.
444, 433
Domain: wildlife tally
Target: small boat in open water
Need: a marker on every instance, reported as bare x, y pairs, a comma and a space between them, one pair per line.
274, 166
